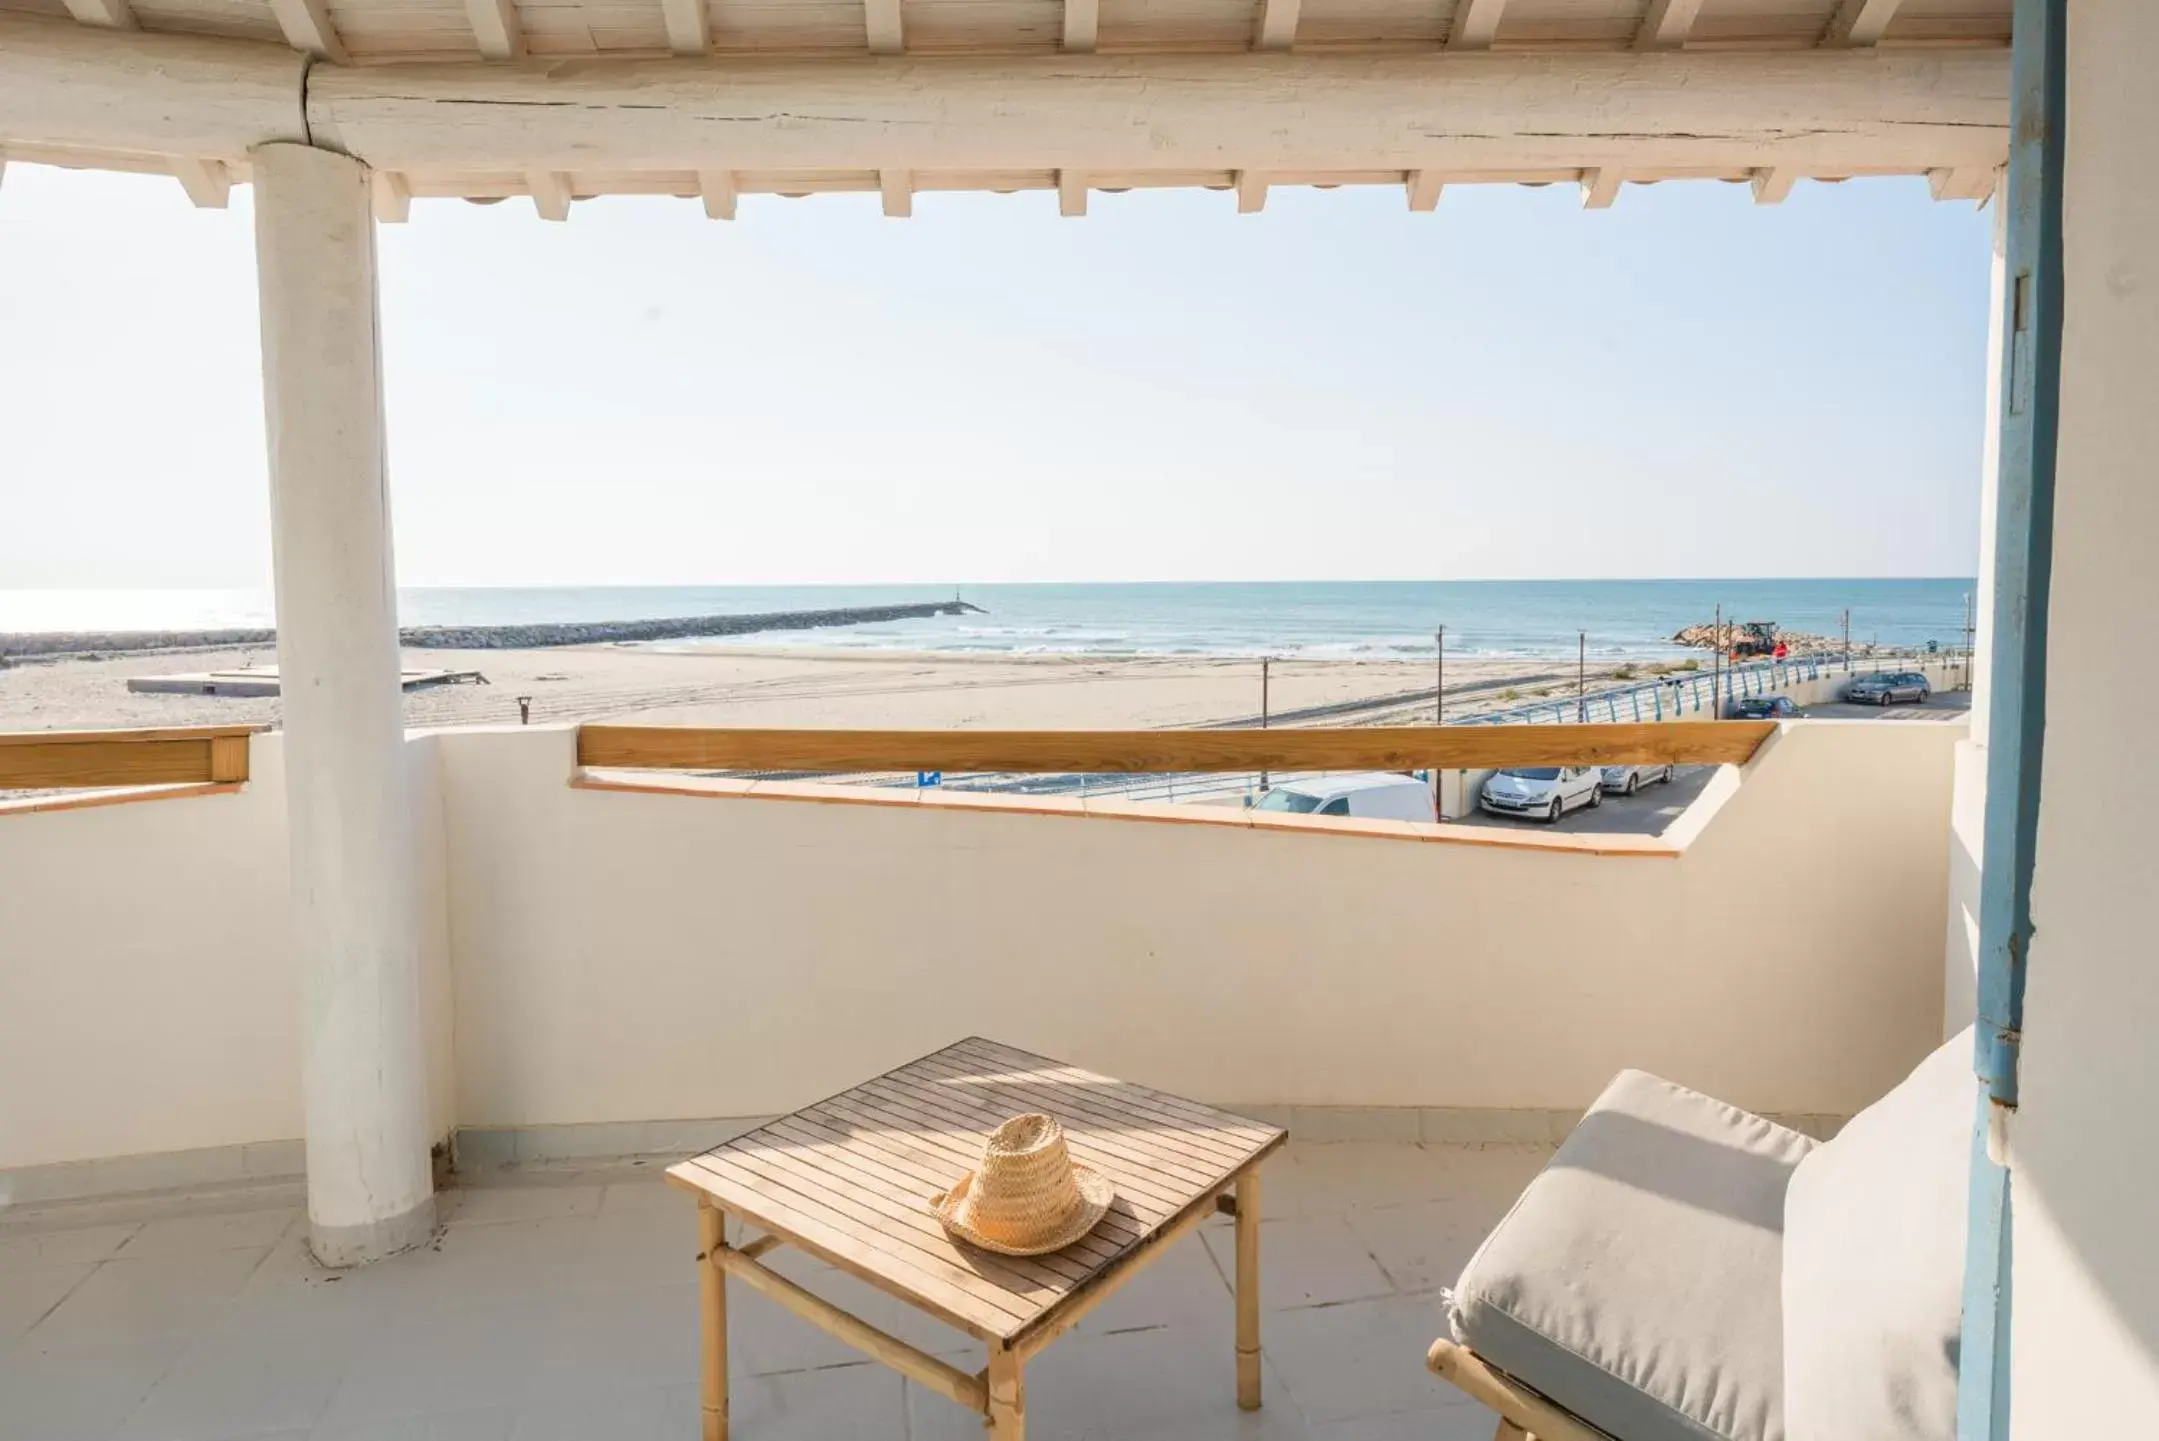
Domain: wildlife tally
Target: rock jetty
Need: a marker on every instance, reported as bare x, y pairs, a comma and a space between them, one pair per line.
1798, 642
489, 637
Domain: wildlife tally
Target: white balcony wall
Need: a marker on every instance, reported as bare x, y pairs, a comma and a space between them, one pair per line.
145, 999
632, 956
149, 1001
611, 957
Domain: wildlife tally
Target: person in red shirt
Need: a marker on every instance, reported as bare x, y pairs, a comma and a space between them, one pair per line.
1782, 650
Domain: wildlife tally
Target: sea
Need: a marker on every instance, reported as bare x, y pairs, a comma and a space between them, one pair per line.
1368, 620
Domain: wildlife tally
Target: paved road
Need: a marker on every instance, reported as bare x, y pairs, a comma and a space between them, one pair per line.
1654, 809
1947, 706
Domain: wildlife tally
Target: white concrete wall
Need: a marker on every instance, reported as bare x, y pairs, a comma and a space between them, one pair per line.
624, 957
1967, 821
149, 999
147, 1002
2084, 1147
635, 956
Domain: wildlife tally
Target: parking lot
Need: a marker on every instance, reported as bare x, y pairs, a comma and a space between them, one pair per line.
1645, 813
1944, 706
1654, 808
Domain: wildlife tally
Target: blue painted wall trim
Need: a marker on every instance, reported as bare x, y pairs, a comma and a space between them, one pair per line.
2024, 547
1983, 1350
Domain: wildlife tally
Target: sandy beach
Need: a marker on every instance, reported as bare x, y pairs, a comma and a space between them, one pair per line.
734, 685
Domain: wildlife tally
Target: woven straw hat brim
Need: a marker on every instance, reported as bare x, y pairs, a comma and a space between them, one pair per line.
1096, 1193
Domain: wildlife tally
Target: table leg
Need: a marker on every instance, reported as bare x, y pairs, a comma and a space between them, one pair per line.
1008, 1396
1248, 1291
712, 1292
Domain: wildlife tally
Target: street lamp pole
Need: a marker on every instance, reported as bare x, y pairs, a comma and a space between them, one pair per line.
1716, 667
1581, 676
1439, 680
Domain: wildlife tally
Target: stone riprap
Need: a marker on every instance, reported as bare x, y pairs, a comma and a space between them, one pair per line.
490, 637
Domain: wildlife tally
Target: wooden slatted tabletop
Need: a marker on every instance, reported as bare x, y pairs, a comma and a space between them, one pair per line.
849, 1178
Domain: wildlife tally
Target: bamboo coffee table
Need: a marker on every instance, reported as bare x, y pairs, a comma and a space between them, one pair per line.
848, 1180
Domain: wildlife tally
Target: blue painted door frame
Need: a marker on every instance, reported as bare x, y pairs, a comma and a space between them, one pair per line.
2016, 714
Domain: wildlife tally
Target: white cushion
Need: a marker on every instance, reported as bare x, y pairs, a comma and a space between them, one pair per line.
1874, 1264
1635, 1282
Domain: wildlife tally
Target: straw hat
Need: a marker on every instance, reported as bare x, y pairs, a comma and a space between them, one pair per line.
1028, 1196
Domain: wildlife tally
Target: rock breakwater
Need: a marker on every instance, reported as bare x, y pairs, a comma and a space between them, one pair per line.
534, 636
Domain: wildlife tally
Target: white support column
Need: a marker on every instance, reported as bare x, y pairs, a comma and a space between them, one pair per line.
369, 1186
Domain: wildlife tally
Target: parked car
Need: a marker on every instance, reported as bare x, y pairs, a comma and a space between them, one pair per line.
1542, 792
1763, 707
1365, 797
1626, 780
1888, 687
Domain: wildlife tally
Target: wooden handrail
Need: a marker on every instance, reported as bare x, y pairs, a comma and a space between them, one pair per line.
50, 760
1155, 752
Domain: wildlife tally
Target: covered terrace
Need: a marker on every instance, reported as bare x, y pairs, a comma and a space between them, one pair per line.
364, 963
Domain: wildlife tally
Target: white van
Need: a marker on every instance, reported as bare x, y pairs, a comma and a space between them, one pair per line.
1361, 797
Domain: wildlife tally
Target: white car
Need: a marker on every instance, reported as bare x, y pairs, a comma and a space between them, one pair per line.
1626, 780
1542, 793
1366, 797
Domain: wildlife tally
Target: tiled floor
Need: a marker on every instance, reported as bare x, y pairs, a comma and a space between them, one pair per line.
564, 1305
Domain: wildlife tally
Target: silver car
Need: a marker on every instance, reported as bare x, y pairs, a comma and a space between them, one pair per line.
1889, 687
1626, 780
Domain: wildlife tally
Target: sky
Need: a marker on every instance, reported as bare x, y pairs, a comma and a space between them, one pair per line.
1511, 387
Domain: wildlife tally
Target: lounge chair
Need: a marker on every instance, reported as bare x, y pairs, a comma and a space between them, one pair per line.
1685, 1271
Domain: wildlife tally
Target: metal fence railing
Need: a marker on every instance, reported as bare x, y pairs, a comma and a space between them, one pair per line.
1672, 695
1695, 692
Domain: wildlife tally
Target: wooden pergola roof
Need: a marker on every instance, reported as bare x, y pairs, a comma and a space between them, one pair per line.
375, 31
561, 99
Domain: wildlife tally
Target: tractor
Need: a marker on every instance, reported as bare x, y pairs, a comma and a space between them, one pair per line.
1755, 637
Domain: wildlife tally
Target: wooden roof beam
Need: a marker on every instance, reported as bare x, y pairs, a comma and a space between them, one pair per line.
496, 27
1827, 113
76, 87
897, 188
550, 193
1600, 186
1251, 192
1475, 23
1277, 25
1773, 183
207, 182
1083, 21
689, 26
1071, 193
1964, 182
112, 14
1423, 187
307, 28
1860, 22
881, 27
86, 88
717, 189
390, 196
1666, 25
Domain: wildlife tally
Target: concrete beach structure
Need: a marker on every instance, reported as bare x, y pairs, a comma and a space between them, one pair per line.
345, 947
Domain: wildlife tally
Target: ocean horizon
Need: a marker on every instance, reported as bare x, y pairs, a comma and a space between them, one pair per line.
1357, 620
